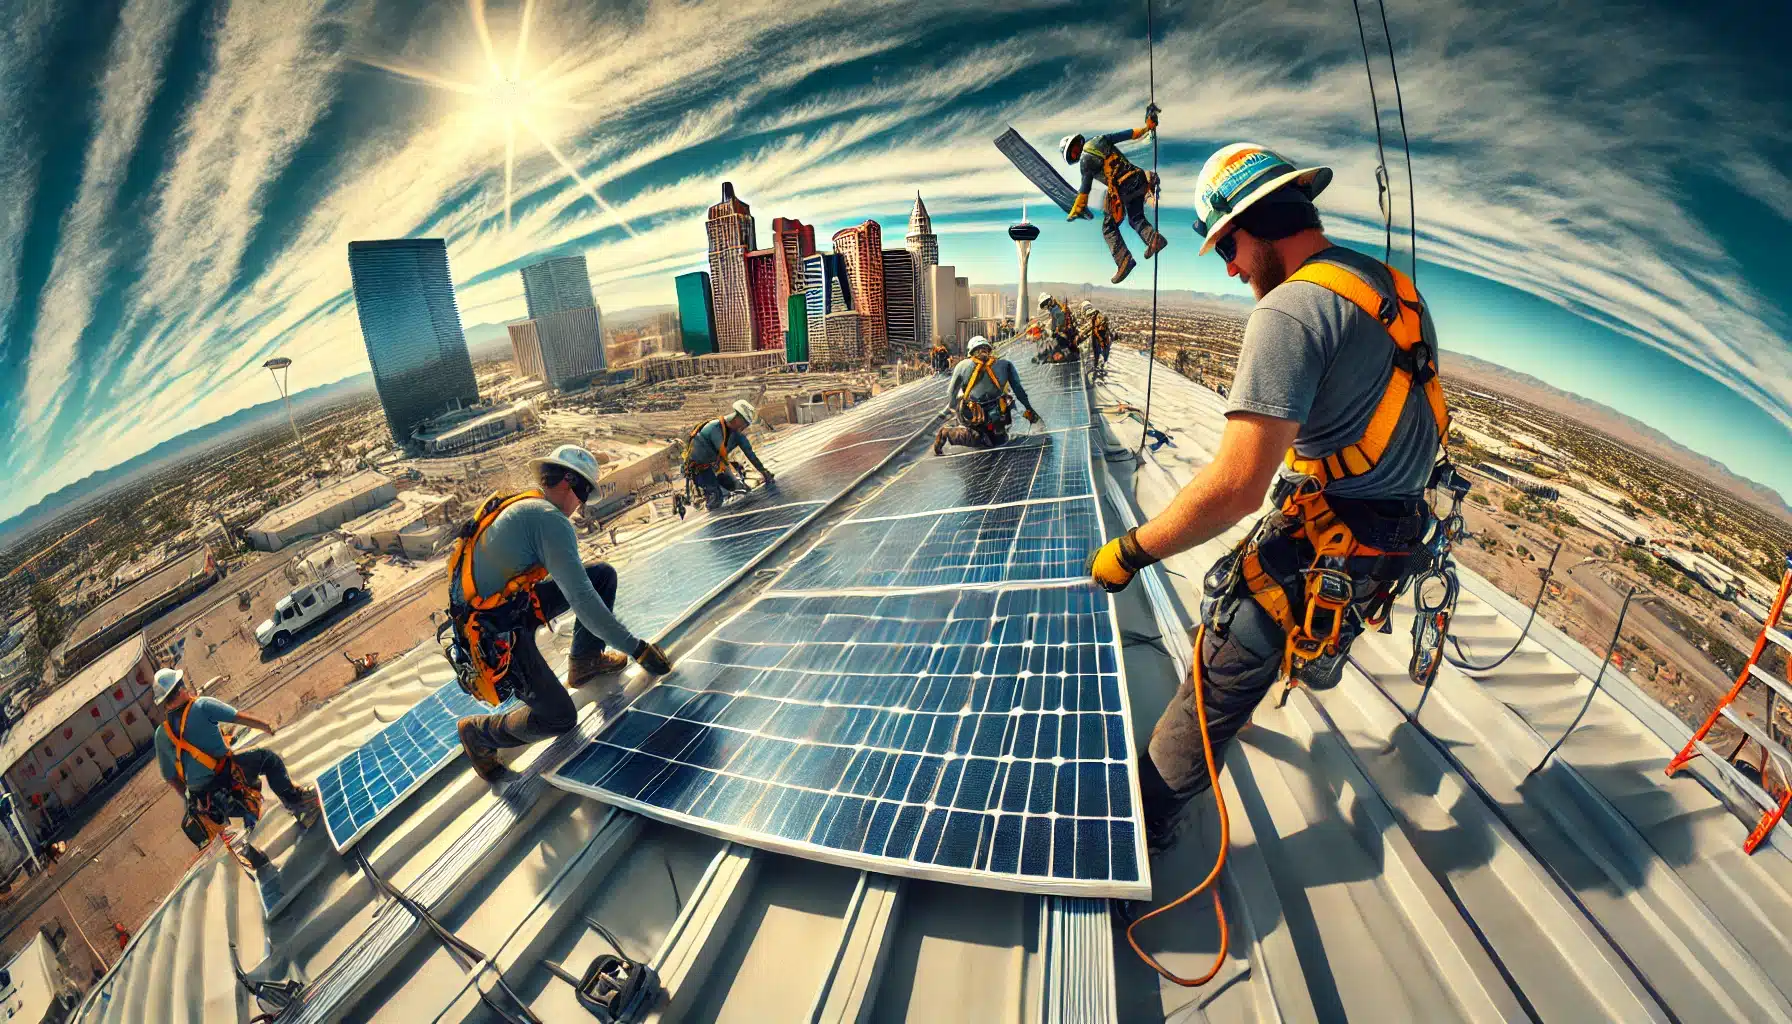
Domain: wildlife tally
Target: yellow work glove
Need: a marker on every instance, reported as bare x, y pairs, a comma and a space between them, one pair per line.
652, 657
1115, 563
1032, 417
1079, 207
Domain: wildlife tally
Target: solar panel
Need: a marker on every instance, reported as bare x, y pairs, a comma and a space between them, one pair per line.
652, 593
970, 736
933, 689
357, 789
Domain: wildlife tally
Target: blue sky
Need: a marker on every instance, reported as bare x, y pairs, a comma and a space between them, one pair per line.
1599, 186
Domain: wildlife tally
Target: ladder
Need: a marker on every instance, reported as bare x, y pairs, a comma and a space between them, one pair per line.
1773, 807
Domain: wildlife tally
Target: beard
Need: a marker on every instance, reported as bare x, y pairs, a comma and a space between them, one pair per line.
1268, 272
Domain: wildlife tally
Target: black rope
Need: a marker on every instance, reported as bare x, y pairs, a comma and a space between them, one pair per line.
1157, 201
1461, 660
1412, 194
1381, 158
1593, 690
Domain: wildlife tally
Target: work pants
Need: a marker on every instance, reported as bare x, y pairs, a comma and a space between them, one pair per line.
715, 486
547, 709
1239, 664
1132, 202
973, 437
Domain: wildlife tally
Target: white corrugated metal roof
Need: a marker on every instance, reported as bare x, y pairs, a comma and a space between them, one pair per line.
1376, 871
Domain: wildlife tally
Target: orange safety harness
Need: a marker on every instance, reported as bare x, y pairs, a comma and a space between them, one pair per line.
208, 813
1334, 530
485, 627
1116, 172
970, 409
691, 466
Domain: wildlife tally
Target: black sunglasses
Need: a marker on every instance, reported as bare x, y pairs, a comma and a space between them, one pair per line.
581, 489
1227, 247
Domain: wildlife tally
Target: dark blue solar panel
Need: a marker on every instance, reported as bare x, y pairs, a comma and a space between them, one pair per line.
1027, 467
1008, 543
359, 788
957, 734
729, 524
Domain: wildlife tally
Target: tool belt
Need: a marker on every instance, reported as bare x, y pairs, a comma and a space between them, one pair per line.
989, 413
482, 631
228, 795
1323, 568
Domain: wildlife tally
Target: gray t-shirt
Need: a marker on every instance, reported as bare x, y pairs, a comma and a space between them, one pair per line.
1312, 356
533, 532
202, 731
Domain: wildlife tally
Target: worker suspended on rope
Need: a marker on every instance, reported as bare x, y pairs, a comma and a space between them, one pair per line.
984, 390
514, 567
1058, 334
1336, 401
707, 469
1127, 185
1101, 336
215, 782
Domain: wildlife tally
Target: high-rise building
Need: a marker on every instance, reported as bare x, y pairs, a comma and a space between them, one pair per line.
1023, 235
942, 299
404, 297
826, 290
525, 347
796, 339
556, 284
696, 313
731, 237
792, 243
572, 346
841, 344
926, 250
762, 299
989, 305
899, 302
861, 250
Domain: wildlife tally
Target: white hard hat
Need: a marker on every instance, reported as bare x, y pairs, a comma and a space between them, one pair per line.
1045, 299
1088, 305
1065, 144
1236, 177
976, 343
166, 681
571, 457
744, 409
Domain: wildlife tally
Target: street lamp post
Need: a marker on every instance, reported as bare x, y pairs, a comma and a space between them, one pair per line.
279, 367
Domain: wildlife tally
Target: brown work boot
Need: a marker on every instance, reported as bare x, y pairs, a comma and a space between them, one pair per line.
583, 668
939, 442
1157, 245
484, 758
1125, 269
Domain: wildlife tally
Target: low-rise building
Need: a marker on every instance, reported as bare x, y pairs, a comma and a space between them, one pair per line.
413, 526
134, 607
321, 510
468, 428
71, 742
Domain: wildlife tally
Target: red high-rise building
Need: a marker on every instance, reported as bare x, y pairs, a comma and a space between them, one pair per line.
792, 240
731, 237
762, 299
862, 250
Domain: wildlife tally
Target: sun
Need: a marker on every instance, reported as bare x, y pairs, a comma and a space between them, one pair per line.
510, 103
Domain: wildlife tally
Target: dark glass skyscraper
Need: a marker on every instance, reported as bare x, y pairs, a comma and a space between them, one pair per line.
696, 313
557, 285
404, 297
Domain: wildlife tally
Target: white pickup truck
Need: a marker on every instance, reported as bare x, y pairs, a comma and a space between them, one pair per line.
328, 578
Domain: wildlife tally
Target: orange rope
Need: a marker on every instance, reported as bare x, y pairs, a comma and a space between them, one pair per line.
1219, 862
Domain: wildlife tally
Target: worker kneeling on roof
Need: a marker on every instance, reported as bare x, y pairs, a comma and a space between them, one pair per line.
215, 782
984, 390
515, 567
1336, 388
706, 465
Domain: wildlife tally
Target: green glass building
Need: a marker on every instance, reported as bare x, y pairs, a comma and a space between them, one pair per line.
796, 340
696, 313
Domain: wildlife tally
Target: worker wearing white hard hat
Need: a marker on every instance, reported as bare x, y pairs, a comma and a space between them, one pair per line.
984, 390
1128, 186
215, 782
516, 566
708, 468
1336, 403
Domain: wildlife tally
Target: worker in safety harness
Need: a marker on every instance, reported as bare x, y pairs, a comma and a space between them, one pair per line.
1061, 327
942, 357
1128, 187
1101, 336
1336, 401
984, 390
706, 465
515, 567
215, 782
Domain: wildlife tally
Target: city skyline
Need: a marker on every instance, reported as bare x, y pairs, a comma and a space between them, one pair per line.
1597, 206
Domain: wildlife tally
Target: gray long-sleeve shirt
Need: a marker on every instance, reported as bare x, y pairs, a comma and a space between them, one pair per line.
1090, 162
989, 383
533, 532
707, 445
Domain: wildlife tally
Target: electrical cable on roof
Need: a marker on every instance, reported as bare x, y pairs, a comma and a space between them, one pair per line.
1461, 660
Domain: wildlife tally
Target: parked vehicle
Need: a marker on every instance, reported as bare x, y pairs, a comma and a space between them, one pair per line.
328, 578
